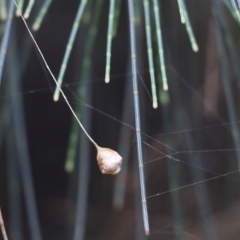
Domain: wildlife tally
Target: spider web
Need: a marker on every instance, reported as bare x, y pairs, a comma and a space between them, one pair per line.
189, 146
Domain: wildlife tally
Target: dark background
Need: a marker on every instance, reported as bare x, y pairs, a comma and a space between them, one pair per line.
200, 101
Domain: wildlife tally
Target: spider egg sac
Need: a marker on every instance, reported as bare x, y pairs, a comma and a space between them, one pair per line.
109, 161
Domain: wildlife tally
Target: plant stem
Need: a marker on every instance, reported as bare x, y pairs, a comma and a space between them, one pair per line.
150, 52
137, 113
69, 46
109, 40
160, 44
2, 225
5, 40
82, 92
29, 9
38, 21
188, 26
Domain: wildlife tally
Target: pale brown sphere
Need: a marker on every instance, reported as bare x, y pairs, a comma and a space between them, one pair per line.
109, 161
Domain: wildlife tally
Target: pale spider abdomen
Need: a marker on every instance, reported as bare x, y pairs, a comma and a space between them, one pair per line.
109, 161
